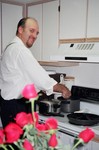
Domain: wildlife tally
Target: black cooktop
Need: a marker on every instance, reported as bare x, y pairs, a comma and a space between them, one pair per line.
85, 94
89, 95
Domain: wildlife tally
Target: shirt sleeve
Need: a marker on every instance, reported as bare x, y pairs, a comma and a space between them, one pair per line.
34, 72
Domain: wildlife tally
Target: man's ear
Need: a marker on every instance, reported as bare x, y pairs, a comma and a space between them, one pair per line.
20, 29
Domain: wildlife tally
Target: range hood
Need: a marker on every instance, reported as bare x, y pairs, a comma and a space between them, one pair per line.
79, 52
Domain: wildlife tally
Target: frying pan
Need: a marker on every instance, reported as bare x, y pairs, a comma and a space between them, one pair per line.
85, 119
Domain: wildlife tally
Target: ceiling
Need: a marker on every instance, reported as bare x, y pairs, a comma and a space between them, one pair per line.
24, 1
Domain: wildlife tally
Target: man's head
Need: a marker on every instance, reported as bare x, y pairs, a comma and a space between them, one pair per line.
27, 31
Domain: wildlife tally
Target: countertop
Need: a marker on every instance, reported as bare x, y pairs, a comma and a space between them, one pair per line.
64, 125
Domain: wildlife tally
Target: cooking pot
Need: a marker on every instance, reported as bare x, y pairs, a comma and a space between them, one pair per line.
69, 105
49, 106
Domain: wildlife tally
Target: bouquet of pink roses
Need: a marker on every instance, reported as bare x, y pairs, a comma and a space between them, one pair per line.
27, 133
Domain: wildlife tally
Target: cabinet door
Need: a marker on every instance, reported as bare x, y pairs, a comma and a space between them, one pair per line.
85, 147
35, 11
50, 28
68, 140
0, 29
93, 19
95, 145
11, 14
73, 19
65, 139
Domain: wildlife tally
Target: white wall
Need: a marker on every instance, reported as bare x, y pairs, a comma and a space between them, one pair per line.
86, 74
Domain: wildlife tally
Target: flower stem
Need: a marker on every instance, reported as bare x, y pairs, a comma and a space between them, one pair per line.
80, 141
3, 146
11, 147
32, 109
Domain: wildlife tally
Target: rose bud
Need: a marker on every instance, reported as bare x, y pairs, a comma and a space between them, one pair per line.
29, 91
86, 135
53, 141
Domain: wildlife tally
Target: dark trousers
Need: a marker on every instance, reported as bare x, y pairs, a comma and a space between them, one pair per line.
9, 109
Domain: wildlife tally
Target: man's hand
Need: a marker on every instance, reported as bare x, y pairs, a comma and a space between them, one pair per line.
62, 89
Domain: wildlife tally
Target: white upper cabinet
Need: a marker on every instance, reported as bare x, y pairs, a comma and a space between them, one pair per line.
79, 20
50, 28
93, 19
11, 14
35, 11
73, 19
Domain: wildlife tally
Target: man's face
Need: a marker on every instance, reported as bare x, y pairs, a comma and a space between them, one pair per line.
29, 33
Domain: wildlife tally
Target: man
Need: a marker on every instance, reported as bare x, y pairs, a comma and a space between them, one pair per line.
19, 68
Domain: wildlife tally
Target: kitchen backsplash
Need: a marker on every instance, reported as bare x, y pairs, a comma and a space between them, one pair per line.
86, 74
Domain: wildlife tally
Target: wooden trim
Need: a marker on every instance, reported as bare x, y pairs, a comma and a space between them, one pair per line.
58, 63
12, 2
38, 2
63, 41
96, 139
93, 39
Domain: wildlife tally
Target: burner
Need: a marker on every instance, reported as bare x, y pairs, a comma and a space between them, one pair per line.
85, 119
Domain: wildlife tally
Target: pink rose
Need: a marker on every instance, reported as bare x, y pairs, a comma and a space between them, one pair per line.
2, 136
29, 91
27, 145
30, 118
21, 119
51, 123
41, 127
53, 141
86, 135
12, 132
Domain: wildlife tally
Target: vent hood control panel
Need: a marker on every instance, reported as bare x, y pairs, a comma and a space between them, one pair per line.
88, 46
80, 52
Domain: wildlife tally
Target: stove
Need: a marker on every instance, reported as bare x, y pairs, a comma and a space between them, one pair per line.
89, 106
89, 103
89, 98
86, 94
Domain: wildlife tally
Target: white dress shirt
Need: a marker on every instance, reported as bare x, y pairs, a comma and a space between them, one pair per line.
19, 68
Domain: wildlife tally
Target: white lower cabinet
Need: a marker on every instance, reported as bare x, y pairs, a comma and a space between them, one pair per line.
65, 138
68, 136
95, 145
68, 139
